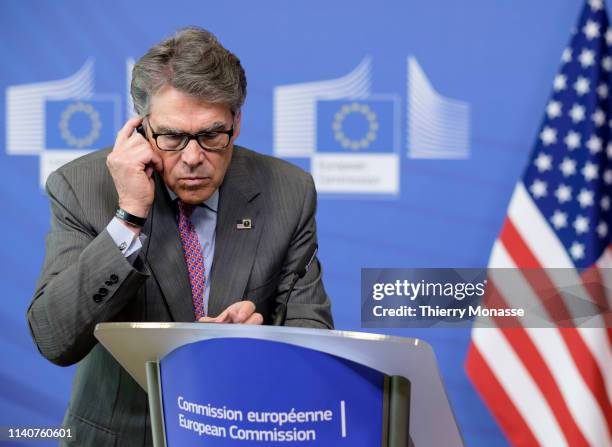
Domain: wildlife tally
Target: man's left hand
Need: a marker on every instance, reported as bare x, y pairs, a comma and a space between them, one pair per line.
242, 312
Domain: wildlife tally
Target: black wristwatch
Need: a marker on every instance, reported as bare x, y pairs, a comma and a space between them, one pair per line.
130, 218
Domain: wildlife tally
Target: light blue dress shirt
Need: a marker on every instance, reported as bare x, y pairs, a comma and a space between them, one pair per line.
204, 219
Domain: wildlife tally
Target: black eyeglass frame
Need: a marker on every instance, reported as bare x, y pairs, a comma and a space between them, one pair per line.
191, 136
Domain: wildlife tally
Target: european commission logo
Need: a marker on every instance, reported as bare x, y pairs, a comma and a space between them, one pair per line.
60, 120
352, 136
357, 147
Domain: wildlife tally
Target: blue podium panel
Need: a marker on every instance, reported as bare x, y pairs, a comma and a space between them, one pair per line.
247, 392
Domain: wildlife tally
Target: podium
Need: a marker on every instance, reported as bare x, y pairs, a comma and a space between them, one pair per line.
225, 385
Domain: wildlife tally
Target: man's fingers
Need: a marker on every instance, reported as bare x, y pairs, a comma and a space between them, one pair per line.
242, 312
132, 157
208, 320
156, 160
222, 318
128, 128
256, 318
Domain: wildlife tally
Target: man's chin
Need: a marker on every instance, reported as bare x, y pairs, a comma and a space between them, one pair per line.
195, 196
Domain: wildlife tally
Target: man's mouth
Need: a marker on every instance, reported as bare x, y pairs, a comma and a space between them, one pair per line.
194, 181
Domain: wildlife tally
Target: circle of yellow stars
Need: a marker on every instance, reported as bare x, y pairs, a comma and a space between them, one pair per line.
96, 124
341, 115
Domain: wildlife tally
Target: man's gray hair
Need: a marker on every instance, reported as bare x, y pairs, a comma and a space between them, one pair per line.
194, 62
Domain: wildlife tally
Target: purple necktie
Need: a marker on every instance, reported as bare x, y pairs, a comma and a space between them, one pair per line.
193, 256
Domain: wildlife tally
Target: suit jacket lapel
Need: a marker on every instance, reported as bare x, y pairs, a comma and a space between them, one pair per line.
235, 248
165, 256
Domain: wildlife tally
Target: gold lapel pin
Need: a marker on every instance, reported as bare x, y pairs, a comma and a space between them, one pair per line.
244, 224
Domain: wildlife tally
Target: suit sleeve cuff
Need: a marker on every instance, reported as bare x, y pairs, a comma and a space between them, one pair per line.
126, 240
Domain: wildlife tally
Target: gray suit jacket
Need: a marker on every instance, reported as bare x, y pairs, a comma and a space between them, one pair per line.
86, 279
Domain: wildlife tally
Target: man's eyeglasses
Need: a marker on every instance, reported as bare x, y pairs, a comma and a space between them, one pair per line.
211, 141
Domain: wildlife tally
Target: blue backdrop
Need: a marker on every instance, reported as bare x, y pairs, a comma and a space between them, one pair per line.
442, 103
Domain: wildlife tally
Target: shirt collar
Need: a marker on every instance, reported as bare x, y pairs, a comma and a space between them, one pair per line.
212, 203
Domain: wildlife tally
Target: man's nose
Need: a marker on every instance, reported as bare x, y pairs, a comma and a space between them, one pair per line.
192, 155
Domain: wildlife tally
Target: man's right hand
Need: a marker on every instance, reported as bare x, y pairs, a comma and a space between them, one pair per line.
131, 165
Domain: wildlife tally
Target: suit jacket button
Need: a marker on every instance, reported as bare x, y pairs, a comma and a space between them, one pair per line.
103, 291
108, 283
114, 278
97, 298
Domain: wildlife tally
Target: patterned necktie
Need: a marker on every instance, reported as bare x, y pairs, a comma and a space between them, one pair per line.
193, 256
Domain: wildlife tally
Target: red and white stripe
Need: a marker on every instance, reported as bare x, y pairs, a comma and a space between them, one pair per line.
546, 387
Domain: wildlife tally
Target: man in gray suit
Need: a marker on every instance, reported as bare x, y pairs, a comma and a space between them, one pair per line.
175, 223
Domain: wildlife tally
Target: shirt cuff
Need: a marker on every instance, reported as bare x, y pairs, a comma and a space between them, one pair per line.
124, 238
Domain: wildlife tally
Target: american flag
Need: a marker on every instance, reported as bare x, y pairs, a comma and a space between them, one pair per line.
553, 387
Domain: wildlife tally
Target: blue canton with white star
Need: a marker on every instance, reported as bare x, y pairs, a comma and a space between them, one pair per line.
570, 170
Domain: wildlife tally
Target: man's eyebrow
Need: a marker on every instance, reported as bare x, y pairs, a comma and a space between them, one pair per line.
164, 129
214, 127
